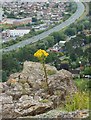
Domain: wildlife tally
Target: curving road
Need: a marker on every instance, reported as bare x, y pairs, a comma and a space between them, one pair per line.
72, 19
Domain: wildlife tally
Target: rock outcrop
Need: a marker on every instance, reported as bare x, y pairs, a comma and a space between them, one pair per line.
25, 93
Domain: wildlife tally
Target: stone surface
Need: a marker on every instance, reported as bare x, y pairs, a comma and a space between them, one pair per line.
79, 114
62, 115
25, 93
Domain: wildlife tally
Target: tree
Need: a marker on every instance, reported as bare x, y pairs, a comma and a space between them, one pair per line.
58, 36
70, 31
73, 56
52, 57
87, 54
90, 8
86, 24
4, 76
41, 45
50, 40
78, 51
79, 27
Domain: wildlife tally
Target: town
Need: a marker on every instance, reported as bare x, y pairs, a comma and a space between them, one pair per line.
21, 17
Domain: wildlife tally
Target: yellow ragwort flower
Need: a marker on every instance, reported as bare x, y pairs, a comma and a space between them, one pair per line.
41, 54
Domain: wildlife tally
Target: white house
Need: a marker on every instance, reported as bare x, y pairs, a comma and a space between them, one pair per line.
61, 43
15, 33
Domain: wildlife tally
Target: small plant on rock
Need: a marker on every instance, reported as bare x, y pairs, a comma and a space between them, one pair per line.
51, 72
42, 55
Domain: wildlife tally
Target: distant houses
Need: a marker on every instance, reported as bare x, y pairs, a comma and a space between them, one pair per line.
58, 47
50, 11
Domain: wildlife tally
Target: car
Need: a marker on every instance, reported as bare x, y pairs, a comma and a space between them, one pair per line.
88, 76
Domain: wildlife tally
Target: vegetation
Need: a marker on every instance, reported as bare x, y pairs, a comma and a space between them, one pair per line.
78, 101
82, 84
51, 72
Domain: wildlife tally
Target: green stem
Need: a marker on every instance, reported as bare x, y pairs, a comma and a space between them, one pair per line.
45, 72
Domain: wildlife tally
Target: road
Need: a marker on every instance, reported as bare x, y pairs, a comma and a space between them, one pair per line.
72, 19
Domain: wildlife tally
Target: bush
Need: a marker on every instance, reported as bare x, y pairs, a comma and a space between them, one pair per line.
78, 101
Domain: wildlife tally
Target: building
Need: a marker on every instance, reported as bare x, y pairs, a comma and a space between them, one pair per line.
17, 22
15, 33
61, 43
40, 27
8, 21
22, 21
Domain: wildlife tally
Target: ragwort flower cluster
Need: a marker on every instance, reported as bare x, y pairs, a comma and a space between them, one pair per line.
41, 54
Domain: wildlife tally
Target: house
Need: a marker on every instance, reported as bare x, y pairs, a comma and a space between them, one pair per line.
15, 33
61, 43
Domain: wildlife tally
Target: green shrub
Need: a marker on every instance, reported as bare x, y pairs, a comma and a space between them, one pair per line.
78, 101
